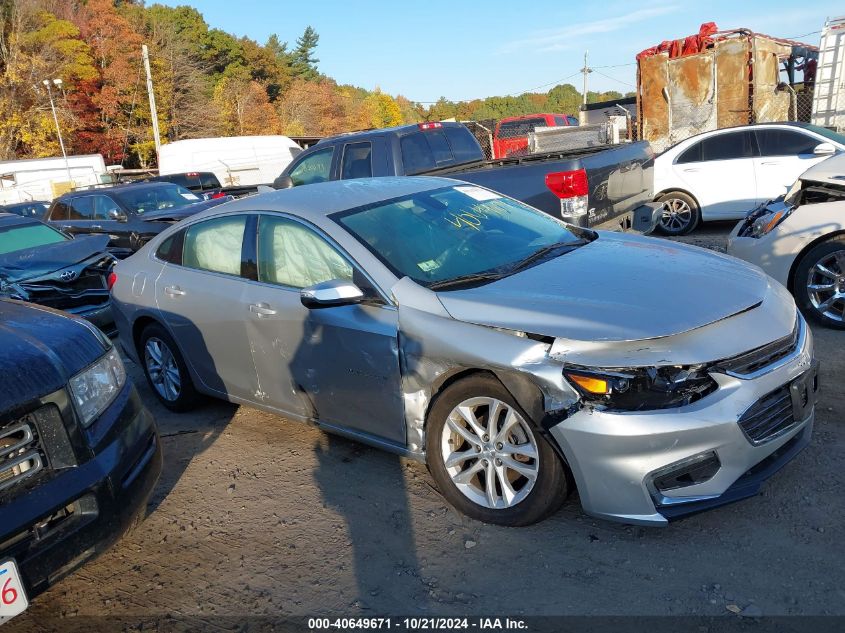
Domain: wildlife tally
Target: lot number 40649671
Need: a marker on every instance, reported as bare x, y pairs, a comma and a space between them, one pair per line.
12, 596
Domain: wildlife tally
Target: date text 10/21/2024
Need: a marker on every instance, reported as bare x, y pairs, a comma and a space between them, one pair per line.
417, 624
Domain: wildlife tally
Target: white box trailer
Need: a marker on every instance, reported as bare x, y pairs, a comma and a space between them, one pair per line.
47, 178
829, 91
235, 160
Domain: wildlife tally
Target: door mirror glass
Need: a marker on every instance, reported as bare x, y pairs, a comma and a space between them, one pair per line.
283, 182
336, 292
824, 149
117, 214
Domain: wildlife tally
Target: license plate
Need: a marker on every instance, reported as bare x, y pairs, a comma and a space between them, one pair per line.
12, 595
804, 391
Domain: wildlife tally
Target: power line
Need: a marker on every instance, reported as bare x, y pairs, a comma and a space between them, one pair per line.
615, 79
518, 92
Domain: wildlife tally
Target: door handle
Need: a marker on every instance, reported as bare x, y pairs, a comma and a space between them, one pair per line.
262, 309
97, 227
66, 227
771, 162
174, 291
690, 169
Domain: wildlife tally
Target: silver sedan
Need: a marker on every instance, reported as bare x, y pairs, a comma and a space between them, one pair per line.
518, 356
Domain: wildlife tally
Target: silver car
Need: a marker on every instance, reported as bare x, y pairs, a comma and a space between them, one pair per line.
518, 356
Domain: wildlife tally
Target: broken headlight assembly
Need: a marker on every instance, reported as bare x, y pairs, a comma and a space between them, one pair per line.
642, 388
765, 218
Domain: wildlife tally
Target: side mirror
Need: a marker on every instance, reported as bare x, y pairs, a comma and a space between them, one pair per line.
327, 294
824, 149
117, 214
283, 182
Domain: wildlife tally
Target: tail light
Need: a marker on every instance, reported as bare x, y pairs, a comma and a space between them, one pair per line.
572, 189
430, 126
111, 280
218, 194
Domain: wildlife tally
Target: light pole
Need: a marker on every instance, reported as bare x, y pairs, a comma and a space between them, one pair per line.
57, 83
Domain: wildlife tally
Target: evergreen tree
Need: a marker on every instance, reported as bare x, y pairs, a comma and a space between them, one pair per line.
303, 62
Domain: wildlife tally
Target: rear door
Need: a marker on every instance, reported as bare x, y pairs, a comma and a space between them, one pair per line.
784, 155
200, 295
719, 172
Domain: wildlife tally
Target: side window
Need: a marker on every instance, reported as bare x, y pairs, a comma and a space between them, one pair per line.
102, 206
209, 181
80, 208
357, 160
215, 245
291, 254
59, 211
728, 146
572, 120
691, 154
785, 143
170, 250
464, 145
314, 168
560, 120
416, 154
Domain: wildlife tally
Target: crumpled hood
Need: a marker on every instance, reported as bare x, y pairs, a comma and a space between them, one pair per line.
43, 260
180, 213
616, 288
40, 350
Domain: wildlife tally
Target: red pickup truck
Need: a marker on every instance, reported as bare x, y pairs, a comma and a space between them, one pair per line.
511, 135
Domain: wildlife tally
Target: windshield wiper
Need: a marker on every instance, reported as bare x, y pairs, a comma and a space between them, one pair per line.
465, 279
542, 252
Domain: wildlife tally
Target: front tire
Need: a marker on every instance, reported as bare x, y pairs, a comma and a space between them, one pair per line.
488, 459
818, 283
165, 369
681, 213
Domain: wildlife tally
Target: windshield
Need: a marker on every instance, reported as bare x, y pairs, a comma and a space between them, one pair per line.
22, 236
829, 134
445, 234
156, 198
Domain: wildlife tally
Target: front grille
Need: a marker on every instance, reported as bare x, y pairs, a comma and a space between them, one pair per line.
89, 289
769, 416
757, 359
21, 455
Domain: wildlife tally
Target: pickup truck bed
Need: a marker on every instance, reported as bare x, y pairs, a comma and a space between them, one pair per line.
597, 187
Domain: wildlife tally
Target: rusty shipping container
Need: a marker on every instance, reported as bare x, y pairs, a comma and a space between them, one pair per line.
732, 81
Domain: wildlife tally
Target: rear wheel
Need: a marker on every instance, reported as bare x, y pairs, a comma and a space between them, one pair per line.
165, 369
680, 213
488, 459
818, 283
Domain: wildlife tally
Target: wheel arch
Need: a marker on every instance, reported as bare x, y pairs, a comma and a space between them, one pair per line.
807, 248
138, 327
678, 190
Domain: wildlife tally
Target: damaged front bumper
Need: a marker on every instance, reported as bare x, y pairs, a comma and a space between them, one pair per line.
648, 467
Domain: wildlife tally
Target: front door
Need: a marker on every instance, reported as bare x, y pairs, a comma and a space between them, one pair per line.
202, 303
784, 156
339, 365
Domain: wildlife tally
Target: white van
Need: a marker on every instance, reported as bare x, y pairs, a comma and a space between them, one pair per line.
47, 178
235, 160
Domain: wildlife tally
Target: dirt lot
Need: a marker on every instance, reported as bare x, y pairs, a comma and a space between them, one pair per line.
256, 515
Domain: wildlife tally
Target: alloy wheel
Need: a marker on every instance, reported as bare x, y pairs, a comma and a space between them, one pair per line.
162, 369
676, 216
826, 286
490, 453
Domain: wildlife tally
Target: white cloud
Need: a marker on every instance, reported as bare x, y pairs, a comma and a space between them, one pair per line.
564, 38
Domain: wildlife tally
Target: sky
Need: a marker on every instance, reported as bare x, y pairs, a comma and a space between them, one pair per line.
463, 50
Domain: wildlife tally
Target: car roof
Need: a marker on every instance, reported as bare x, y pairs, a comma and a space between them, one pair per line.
132, 186
323, 199
383, 130
11, 219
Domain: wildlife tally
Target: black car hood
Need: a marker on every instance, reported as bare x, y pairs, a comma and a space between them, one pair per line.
40, 349
180, 213
43, 260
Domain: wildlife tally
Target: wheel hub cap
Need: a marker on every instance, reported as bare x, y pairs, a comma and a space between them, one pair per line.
490, 453
826, 286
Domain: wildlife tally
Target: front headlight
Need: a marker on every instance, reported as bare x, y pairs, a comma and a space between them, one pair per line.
93, 389
642, 388
765, 223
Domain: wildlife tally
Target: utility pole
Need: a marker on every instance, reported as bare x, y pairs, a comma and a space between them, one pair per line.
153, 113
57, 83
586, 70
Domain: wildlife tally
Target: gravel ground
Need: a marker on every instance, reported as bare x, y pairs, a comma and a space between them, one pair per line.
257, 515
